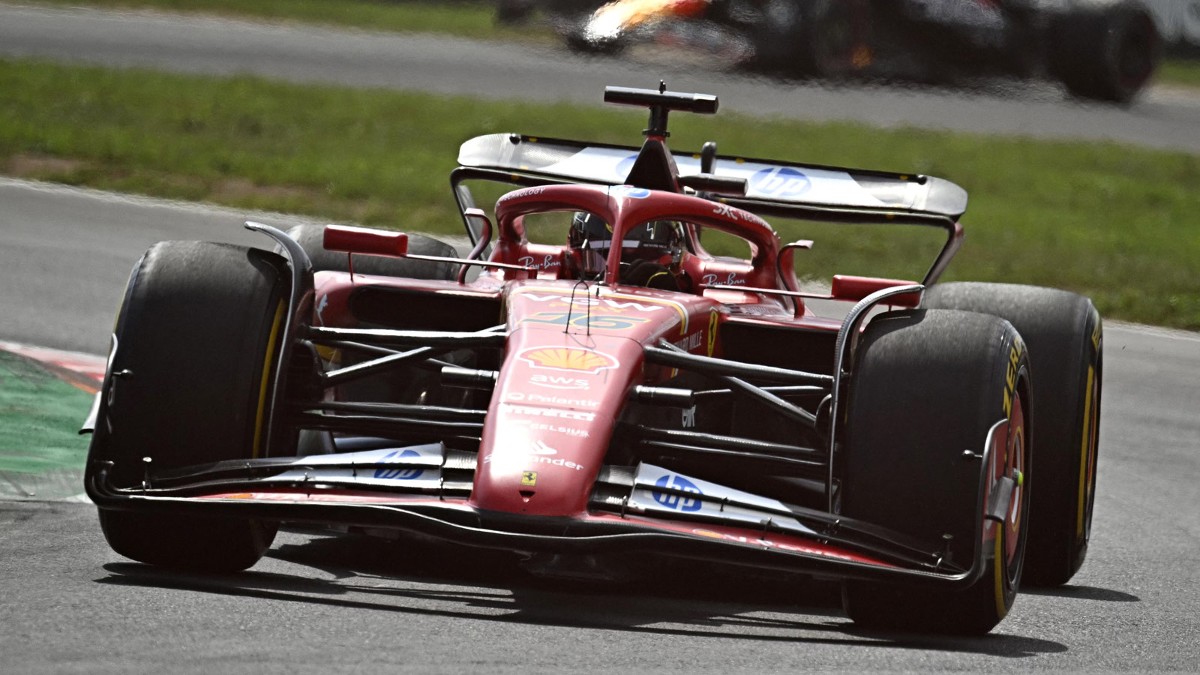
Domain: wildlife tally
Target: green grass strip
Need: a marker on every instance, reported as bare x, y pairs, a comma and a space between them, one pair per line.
1118, 223
463, 18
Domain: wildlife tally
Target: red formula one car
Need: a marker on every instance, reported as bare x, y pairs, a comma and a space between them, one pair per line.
604, 375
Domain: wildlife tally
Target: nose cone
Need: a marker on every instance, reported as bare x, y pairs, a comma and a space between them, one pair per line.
551, 421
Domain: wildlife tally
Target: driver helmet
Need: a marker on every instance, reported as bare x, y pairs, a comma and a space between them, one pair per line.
657, 241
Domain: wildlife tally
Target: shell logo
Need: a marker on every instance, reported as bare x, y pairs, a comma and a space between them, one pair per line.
568, 358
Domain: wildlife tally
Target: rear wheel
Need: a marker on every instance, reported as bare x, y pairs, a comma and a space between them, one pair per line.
1108, 52
311, 239
197, 337
1065, 339
822, 38
928, 388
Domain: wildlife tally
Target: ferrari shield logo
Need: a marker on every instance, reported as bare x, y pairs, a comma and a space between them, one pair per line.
528, 478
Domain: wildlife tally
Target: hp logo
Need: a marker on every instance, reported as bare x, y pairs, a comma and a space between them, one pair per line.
398, 473
781, 182
677, 501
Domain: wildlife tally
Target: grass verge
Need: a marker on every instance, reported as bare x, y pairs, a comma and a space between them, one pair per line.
464, 18
1117, 223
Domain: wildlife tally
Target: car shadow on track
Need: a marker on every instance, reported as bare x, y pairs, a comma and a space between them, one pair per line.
441, 580
1083, 593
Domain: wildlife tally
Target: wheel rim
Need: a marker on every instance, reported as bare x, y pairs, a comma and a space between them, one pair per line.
1014, 466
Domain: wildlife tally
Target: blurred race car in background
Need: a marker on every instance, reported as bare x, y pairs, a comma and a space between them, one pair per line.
1098, 49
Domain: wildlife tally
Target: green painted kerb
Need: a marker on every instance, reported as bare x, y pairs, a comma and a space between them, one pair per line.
40, 416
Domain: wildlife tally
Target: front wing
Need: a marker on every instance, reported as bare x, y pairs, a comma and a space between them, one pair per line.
424, 491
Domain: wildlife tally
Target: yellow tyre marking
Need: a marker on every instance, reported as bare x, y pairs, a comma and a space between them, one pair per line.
268, 358
1000, 570
1085, 451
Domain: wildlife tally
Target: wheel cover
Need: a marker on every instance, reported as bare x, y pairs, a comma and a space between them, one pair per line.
1013, 465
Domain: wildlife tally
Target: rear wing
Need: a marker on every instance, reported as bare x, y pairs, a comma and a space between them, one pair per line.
771, 186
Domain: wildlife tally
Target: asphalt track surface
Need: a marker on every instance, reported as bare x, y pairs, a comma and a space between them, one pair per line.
322, 604
1162, 119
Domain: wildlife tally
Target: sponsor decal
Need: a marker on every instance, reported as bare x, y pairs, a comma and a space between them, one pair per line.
551, 399
630, 192
625, 166
529, 478
568, 359
780, 182
600, 304
673, 500
399, 473
560, 382
1010, 375
525, 192
586, 321
612, 303
725, 211
551, 413
541, 453
730, 279
690, 342
559, 429
548, 262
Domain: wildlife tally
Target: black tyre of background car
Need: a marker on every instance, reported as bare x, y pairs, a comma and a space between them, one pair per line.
1108, 51
197, 336
311, 239
927, 387
382, 387
1064, 334
819, 38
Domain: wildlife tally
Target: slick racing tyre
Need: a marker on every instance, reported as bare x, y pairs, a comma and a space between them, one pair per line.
196, 341
1065, 338
927, 388
311, 239
1107, 52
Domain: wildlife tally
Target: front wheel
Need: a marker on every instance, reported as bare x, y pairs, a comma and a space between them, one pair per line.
929, 389
197, 337
1065, 338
